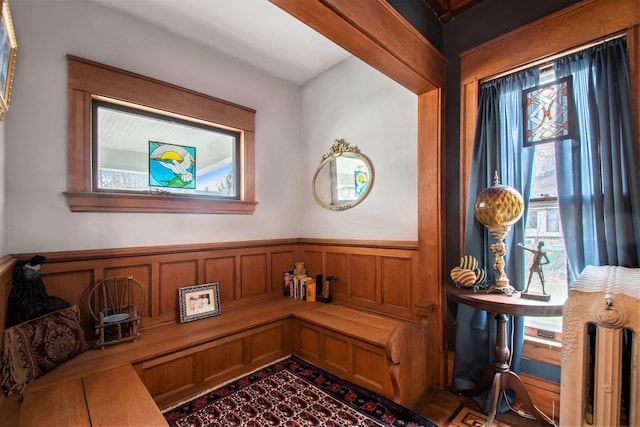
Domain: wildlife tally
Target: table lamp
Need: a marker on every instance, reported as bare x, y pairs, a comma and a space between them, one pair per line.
498, 208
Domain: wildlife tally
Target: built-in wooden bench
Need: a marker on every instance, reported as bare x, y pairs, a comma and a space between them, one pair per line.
176, 361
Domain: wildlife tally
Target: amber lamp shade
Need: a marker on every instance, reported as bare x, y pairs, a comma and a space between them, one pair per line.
498, 208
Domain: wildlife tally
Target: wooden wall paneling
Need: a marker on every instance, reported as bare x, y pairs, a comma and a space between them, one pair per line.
222, 270
337, 265
365, 284
313, 262
396, 281
142, 273
175, 275
7, 264
431, 223
254, 275
280, 262
73, 287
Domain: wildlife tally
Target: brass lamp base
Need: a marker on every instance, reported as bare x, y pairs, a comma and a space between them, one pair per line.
502, 286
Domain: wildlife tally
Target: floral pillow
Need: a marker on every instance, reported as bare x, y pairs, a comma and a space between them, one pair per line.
38, 345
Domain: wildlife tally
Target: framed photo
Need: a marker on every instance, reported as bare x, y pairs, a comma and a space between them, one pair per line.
8, 47
198, 302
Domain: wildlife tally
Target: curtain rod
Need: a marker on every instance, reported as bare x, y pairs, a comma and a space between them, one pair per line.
548, 59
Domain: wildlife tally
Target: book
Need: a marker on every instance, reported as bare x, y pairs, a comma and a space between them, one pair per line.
311, 290
287, 282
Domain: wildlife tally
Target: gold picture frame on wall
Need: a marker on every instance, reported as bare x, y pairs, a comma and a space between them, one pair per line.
8, 47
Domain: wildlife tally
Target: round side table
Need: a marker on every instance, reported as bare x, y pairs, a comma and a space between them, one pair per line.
501, 374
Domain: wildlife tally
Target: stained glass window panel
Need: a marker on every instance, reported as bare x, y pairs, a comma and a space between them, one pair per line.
547, 112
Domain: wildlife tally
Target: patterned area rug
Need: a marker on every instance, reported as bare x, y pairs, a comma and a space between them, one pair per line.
292, 393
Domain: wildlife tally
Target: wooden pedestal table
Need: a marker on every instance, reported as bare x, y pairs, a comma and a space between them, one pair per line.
501, 374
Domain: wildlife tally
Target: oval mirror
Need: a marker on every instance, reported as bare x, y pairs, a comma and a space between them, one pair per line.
343, 178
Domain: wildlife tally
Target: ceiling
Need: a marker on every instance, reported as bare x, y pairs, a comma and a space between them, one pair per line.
448, 9
256, 31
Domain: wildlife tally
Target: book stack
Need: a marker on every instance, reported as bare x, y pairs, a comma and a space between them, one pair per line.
301, 287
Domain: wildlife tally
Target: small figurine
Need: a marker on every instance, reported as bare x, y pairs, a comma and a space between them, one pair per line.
539, 259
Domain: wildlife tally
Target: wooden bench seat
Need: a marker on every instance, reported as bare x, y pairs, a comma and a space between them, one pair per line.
177, 361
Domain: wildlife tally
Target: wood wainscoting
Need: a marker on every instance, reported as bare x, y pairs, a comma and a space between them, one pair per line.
379, 276
371, 275
247, 272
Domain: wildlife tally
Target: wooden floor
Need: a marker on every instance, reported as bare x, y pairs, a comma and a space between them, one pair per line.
441, 405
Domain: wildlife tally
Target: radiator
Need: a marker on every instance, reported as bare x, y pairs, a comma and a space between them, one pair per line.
600, 325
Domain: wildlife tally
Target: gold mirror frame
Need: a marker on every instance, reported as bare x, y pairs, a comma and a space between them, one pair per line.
338, 149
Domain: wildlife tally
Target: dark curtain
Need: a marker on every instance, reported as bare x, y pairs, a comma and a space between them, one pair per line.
598, 181
597, 176
497, 147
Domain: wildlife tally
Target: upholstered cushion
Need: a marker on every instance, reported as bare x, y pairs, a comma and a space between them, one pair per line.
38, 345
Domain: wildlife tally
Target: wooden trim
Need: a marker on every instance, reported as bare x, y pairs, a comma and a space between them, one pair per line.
380, 244
525, 44
571, 27
406, 57
88, 79
374, 32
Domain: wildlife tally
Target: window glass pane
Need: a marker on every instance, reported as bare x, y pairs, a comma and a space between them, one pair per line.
145, 151
543, 224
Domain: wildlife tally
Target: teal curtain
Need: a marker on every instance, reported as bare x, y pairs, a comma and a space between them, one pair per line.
598, 181
597, 172
497, 147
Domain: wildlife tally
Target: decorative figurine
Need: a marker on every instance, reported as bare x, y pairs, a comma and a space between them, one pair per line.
539, 259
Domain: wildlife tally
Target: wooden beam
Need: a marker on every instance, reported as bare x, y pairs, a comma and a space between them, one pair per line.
377, 34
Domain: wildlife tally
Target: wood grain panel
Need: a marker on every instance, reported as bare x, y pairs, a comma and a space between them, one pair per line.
396, 282
222, 358
169, 376
313, 263
369, 367
254, 275
280, 262
337, 266
267, 343
363, 277
223, 271
309, 341
337, 353
142, 273
6, 282
72, 287
41, 405
175, 275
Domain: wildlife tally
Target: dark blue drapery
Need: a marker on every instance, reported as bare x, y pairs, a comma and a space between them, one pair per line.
497, 147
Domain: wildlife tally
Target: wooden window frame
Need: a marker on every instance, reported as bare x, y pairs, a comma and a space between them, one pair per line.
518, 49
88, 79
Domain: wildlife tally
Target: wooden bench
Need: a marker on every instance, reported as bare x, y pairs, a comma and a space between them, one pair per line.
177, 361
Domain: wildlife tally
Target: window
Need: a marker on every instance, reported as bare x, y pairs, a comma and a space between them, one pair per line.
155, 160
543, 206
141, 145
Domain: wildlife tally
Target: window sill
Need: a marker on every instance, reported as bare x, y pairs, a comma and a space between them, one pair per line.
542, 350
119, 202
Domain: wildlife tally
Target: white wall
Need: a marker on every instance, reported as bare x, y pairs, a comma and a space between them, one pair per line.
350, 101
36, 131
355, 102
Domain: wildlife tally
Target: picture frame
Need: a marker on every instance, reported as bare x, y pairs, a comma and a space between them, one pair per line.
8, 47
199, 302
